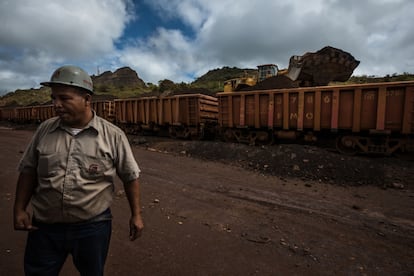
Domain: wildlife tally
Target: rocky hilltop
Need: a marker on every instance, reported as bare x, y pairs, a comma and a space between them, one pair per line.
122, 77
108, 83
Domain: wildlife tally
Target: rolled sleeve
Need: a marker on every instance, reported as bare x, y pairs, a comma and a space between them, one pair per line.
126, 165
28, 162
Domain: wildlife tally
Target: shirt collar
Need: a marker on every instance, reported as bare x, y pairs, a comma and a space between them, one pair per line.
93, 124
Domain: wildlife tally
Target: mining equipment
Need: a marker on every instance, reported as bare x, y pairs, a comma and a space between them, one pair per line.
327, 65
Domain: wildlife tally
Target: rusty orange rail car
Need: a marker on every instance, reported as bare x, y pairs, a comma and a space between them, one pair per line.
8, 113
40, 113
368, 118
105, 109
184, 116
365, 118
28, 114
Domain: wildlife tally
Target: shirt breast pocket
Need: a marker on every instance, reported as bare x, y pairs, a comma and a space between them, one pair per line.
49, 165
95, 168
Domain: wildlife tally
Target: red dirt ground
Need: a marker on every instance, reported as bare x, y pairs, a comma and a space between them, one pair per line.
212, 208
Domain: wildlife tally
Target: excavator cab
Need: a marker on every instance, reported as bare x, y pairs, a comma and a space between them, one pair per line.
266, 71
239, 83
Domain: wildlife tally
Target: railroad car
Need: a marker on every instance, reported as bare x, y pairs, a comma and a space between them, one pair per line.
45, 112
104, 109
136, 114
368, 118
365, 118
8, 113
184, 116
40, 113
26, 114
33, 114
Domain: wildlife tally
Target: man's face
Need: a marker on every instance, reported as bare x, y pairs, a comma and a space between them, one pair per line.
71, 105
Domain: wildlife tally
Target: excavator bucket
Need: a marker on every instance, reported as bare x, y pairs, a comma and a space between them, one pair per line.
320, 68
295, 67
312, 69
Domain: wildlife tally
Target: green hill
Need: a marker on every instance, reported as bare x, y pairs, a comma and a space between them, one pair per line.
23, 97
214, 79
209, 83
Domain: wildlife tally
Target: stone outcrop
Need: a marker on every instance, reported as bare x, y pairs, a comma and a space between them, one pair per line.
124, 77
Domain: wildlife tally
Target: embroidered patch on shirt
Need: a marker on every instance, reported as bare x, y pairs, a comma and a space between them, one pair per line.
93, 169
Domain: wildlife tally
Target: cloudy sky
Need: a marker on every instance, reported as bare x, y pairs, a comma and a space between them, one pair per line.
181, 40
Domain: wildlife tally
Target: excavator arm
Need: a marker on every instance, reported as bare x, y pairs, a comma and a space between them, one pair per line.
311, 69
320, 68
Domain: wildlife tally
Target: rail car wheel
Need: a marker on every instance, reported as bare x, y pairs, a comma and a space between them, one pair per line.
172, 132
199, 134
346, 145
228, 135
264, 138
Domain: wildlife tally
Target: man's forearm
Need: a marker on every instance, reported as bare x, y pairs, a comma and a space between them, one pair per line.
132, 191
136, 224
26, 185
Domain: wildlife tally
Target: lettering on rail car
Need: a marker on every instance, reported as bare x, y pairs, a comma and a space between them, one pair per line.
309, 99
278, 115
309, 115
370, 96
394, 93
294, 116
279, 100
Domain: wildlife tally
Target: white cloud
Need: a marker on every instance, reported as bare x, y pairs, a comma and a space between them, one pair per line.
36, 36
245, 33
166, 55
74, 28
192, 13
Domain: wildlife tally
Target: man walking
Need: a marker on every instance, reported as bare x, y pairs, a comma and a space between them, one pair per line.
67, 173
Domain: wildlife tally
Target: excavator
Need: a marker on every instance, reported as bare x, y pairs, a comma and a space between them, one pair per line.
327, 65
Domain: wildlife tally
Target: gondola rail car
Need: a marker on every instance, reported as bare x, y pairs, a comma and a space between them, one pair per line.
181, 116
365, 118
8, 113
33, 114
40, 113
104, 109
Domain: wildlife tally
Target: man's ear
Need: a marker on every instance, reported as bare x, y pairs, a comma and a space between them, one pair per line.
88, 98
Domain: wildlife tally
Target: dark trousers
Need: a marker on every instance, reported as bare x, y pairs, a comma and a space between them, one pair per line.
48, 247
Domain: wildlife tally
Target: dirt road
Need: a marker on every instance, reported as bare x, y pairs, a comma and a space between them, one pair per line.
212, 218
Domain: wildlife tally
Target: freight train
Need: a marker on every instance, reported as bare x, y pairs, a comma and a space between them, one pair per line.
365, 118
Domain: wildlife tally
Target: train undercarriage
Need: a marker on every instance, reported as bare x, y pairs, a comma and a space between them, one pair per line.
381, 145
204, 131
347, 144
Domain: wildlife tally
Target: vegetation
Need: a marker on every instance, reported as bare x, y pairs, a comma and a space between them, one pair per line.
26, 97
211, 81
387, 78
120, 92
214, 79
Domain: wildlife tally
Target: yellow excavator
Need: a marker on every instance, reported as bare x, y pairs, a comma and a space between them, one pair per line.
311, 69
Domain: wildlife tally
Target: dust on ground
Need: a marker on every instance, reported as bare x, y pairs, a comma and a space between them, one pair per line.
305, 162
214, 208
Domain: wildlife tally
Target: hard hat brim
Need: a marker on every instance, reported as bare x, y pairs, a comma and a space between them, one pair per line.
51, 83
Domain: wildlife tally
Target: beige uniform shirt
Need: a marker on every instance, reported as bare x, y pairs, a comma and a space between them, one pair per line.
76, 173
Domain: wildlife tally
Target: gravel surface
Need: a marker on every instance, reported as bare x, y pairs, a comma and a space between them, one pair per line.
296, 161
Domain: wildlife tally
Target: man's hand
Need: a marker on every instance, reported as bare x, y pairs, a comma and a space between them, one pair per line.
135, 222
24, 190
22, 221
135, 227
